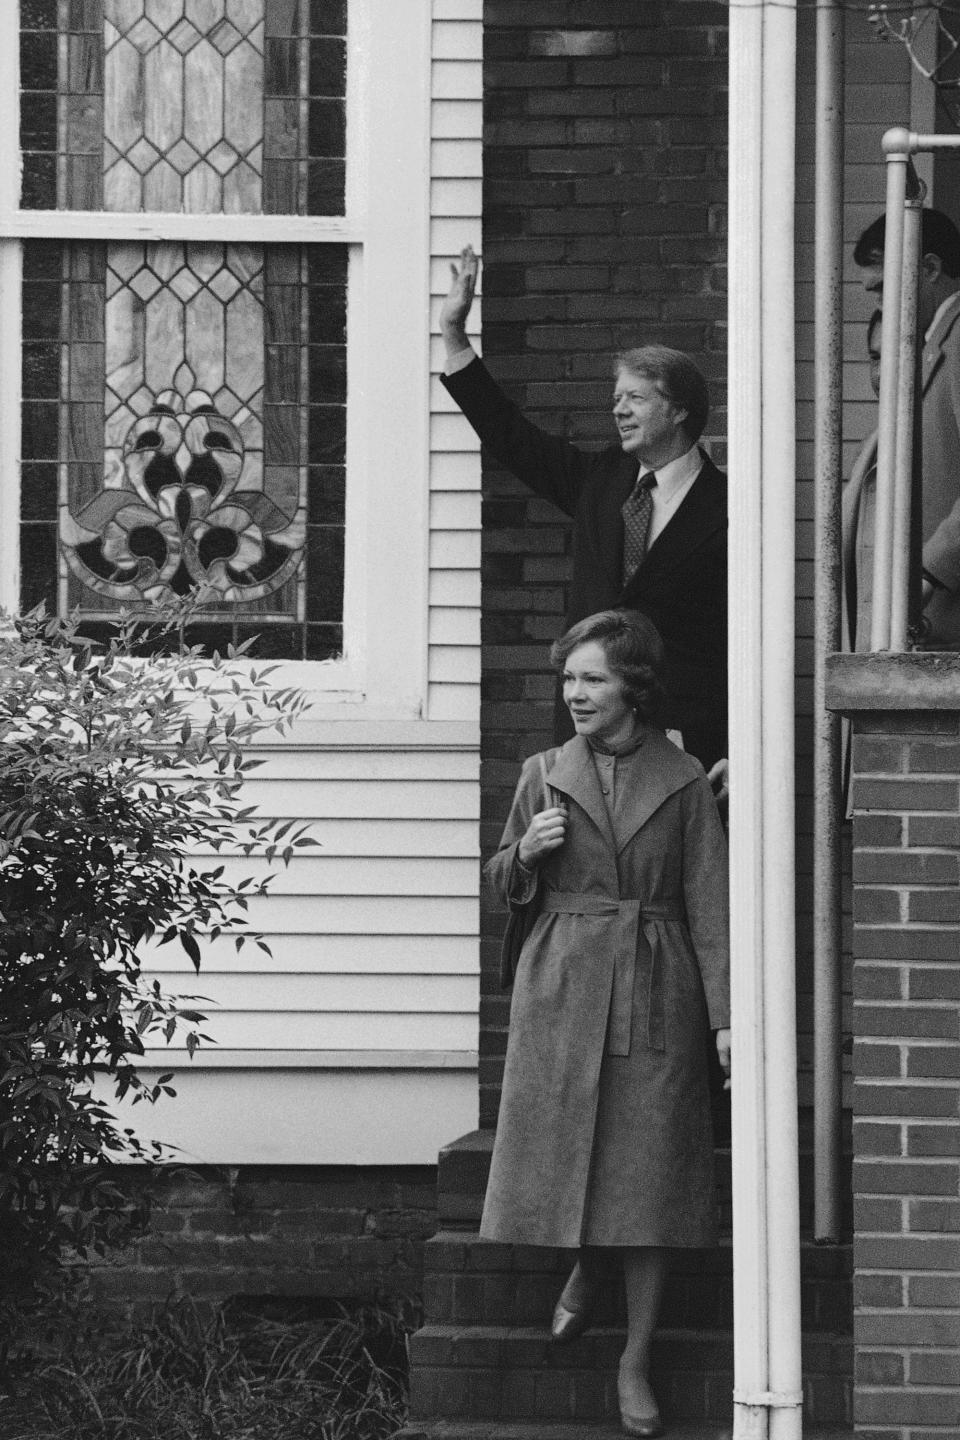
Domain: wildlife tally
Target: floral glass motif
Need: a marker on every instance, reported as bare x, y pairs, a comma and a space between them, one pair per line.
196, 105
230, 479
184, 502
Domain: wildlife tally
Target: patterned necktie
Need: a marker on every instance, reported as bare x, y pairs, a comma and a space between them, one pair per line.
636, 511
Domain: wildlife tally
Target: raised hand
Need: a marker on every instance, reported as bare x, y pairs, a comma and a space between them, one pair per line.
456, 306
546, 831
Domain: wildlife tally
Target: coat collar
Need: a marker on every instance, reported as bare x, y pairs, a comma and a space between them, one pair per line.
934, 347
666, 771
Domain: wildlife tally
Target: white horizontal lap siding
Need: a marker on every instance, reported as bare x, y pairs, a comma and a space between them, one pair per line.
373, 970
382, 903
455, 201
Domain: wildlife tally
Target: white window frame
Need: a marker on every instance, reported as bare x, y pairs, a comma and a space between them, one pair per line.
383, 672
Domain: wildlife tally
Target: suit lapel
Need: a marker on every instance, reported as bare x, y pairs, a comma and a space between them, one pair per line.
574, 774
612, 492
701, 513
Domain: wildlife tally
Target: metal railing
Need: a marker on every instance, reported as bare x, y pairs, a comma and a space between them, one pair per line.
895, 580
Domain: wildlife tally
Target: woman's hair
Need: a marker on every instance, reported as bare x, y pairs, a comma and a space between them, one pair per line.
677, 379
633, 649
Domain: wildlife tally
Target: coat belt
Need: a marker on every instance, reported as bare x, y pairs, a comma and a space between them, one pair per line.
631, 916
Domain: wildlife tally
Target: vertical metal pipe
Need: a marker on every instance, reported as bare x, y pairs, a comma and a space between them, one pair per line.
745, 402
778, 250
904, 456
828, 460
895, 145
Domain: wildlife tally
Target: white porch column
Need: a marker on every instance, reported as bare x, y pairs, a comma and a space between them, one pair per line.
767, 1380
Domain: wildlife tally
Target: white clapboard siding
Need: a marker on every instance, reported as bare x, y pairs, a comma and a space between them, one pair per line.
355, 1040
297, 1030
316, 916
380, 761
453, 668
451, 588
301, 954
320, 873
335, 993
374, 800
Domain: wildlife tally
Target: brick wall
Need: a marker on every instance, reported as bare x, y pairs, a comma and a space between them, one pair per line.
604, 202
323, 1232
906, 868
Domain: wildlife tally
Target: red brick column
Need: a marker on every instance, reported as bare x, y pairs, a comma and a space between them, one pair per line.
604, 227
906, 868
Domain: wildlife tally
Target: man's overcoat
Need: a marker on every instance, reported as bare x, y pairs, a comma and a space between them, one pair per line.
940, 382
604, 1135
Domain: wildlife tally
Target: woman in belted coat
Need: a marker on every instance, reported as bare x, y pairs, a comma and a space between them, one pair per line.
613, 860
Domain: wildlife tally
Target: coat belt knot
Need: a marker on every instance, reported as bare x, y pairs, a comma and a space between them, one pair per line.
630, 915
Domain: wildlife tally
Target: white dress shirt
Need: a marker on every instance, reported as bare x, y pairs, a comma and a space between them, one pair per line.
673, 483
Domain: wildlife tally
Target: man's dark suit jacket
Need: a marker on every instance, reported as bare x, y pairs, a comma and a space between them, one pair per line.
681, 584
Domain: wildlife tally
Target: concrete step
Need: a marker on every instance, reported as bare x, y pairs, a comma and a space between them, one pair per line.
577, 1430
465, 1164
514, 1373
469, 1281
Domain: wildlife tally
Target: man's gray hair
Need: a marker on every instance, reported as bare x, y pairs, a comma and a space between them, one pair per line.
677, 379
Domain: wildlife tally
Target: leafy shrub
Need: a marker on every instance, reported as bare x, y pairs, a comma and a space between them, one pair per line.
192, 1374
118, 763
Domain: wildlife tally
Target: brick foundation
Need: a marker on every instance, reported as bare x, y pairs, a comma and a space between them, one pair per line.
297, 1231
603, 211
906, 869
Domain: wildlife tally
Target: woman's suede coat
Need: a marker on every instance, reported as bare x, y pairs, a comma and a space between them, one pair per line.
604, 1135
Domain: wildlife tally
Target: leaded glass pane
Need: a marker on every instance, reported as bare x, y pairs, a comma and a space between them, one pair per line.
204, 106
184, 429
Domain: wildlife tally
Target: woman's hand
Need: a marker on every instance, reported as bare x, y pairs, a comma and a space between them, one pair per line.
546, 831
723, 1055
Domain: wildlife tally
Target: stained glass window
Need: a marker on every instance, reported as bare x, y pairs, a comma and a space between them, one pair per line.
184, 415
184, 428
207, 106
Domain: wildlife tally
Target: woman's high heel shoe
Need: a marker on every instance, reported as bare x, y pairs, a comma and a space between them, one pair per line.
569, 1320
647, 1425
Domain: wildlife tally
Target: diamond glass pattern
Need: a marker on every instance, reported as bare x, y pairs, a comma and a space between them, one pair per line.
208, 106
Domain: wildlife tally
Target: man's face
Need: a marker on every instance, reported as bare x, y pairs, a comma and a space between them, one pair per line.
649, 423
871, 278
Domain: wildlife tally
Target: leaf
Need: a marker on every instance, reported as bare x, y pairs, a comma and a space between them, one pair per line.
192, 948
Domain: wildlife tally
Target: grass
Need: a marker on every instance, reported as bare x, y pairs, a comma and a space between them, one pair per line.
227, 1374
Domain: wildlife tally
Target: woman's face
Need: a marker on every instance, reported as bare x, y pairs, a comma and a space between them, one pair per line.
593, 694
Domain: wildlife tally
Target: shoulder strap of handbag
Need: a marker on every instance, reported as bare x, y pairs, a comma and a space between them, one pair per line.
552, 796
